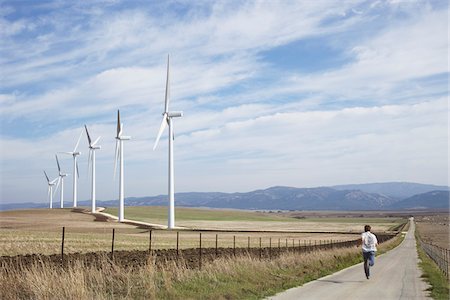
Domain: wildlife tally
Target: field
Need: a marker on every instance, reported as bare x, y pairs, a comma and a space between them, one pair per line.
40, 231
434, 228
240, 220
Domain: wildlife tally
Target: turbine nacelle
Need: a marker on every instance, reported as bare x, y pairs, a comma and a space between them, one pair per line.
174, 114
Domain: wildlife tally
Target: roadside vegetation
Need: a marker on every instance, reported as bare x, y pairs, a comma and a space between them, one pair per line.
242, 277
439, 286
433, 232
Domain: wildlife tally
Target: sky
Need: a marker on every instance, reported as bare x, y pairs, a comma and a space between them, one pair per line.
292, 93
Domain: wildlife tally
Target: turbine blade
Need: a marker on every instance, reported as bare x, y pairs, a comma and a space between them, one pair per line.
116, 157
57, 186
96, 141
78, 142
161, 129
167, 96
88, 136
48, 180
78, 171
119, 129
57, 162
70, 153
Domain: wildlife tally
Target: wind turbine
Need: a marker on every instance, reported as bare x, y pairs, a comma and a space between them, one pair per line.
167, 120
76, 173
119, 156
50, 189
61, 180
91, 160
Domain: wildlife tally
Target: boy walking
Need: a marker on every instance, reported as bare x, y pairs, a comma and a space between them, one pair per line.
369, 247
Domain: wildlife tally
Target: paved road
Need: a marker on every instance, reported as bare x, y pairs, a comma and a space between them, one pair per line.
396, 275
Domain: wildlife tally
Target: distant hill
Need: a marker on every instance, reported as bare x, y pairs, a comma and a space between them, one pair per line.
376, 196
433, 199
399, 190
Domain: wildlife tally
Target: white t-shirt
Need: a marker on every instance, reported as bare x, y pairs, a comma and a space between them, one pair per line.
369, 241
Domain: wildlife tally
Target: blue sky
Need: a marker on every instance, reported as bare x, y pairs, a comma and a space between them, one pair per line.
295, 93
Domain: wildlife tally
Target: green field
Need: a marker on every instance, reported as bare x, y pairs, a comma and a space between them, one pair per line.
158, 214
218, 219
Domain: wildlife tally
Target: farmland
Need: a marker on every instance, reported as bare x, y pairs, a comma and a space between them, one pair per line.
39, 231
89, 270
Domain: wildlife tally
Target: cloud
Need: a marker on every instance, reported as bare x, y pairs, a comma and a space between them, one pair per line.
379, 115
383, 63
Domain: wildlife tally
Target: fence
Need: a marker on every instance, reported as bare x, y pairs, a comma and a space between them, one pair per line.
438, 254
198, 247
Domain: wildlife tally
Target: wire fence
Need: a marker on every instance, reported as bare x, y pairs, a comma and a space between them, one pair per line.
192, 248
438, 254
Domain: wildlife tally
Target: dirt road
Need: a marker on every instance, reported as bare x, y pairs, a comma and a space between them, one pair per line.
396, 275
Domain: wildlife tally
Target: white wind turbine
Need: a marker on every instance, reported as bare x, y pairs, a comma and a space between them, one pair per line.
50, 189
60, 180
76, 173
119, 156
167, 119
91, 161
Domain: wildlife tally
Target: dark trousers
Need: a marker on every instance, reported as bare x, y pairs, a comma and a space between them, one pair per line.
369, 260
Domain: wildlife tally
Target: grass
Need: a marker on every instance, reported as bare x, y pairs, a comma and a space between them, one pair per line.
220, 279
439, 285
39, 231
158, 214
251, 220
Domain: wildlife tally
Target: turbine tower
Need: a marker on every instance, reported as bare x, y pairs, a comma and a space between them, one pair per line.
167, 120
91, 161
61, 180
119, 156
76, 173
50, 189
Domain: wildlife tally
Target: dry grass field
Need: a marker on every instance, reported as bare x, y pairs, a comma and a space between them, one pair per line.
434, 228
40, 230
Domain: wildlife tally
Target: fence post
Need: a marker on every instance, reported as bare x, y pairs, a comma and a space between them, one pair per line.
248, 244
216, 243
150, 241
260, 248
178, 242
200, 253
62, 244
234, 245
270, 248
286, 245
112, 244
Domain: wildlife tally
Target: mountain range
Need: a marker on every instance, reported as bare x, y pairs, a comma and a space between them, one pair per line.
373, 196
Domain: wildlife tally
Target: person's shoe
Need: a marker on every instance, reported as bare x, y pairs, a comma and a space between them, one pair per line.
367, 276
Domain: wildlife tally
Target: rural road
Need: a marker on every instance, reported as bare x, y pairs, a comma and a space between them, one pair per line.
396, 275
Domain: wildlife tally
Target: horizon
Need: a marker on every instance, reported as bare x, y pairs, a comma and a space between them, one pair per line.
69, 201
306, 94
